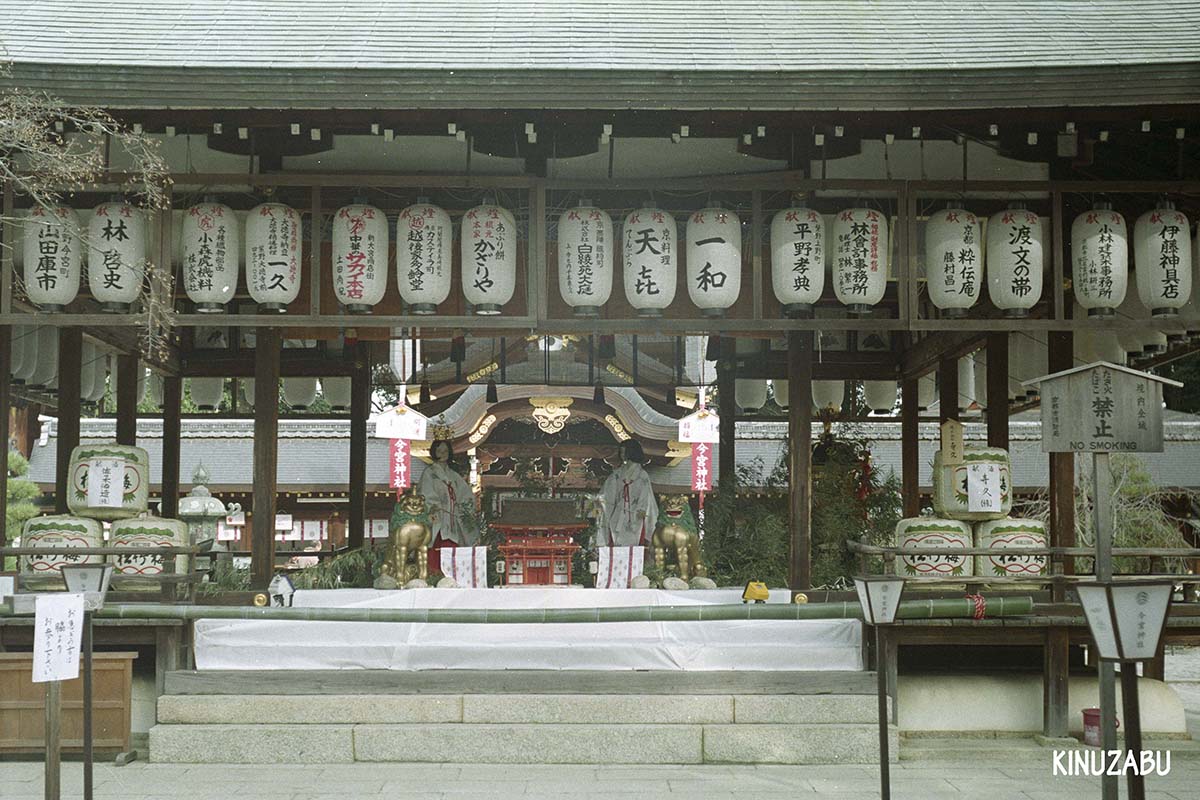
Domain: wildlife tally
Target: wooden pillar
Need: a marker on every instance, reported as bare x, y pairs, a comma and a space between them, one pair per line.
1056, 675
172, 434
5, 415
126, 381
266, 455
1060, 356
800, 459
997, 389
360, 409
70, 363
947, 389
727, 410
910, 448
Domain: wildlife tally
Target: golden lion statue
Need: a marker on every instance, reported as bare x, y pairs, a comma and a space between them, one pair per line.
677, 530
408, 535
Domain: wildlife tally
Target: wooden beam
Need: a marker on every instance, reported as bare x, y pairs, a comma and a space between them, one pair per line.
266, 455
360, 409
948, 388
5, 416
126, 385
70, 364
910, 448
997, 390
800, 350
727, 409
8, 228
172, 433
925, 355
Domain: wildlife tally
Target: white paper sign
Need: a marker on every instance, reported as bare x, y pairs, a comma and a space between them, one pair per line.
8, 586
983, 487
227, 532
702, 426
235, 519
402, 422
57, 635
283, 522
105, 482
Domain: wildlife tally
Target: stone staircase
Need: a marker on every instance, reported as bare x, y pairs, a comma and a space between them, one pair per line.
518, 717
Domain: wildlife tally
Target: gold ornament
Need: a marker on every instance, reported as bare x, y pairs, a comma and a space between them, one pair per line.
260, 600
408, 534
677, 531
551, 413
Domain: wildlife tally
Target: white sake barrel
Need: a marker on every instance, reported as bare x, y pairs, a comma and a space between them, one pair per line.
950, 497
1010, 534
147, 531
134, 477
59, 531
934, 533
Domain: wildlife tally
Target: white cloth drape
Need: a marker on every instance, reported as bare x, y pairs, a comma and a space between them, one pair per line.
466, 565
618, 566
630, 510
452, 504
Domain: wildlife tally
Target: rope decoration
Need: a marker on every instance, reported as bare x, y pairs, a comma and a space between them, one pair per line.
980, 605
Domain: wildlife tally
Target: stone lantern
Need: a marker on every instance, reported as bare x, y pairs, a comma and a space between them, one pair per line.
200, 510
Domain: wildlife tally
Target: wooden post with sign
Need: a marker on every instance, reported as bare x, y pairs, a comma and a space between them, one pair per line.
1102, 408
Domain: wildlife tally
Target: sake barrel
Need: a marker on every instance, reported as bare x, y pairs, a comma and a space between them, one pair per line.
934, 533
1010, 534
108, 481
59, 531
146, 530
983, 480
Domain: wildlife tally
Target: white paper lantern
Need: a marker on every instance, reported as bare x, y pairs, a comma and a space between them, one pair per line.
210, 241
1100, 260
953, 261
1191, 311
154, 389
880, 396
781, 392
798, 259
489, 257
1014, 258
1163, 258
828, 395
750, 394
926, 391
299, 393
966, 382
585, 258
424, 238
87, 369
273, 256
860, 258
714, 260
207, 393
247, 390
101, 369
46, 369
16, 352
979, 361
337, 393
360, 257
650, 260
1138, 341
53, 249
116, 255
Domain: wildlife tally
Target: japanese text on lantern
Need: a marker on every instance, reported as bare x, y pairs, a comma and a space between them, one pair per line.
858, 252
201, 260
1020, 239
112, 233
710, 277
357, 264
647, 245
805, 243
54, 252
1168, 256
487, 235
968, 258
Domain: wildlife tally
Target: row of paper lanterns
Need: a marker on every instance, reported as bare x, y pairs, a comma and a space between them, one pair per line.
298, 393
211, 252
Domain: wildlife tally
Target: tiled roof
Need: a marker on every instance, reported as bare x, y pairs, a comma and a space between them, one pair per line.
606, 53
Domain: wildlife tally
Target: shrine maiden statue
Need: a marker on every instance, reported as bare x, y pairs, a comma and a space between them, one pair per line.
630, 511
450, 501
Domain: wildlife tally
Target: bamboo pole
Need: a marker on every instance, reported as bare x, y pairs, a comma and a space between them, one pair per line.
911, 609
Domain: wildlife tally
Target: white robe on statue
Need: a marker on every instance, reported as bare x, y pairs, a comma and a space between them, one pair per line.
627, 493
453, 505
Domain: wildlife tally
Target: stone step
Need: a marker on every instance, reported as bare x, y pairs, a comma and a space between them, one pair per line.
620, 709
522, 743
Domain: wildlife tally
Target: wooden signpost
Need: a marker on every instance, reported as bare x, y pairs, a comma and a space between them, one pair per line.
1102, 408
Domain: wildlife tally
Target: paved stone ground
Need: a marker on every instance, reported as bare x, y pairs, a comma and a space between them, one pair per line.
1022, 780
